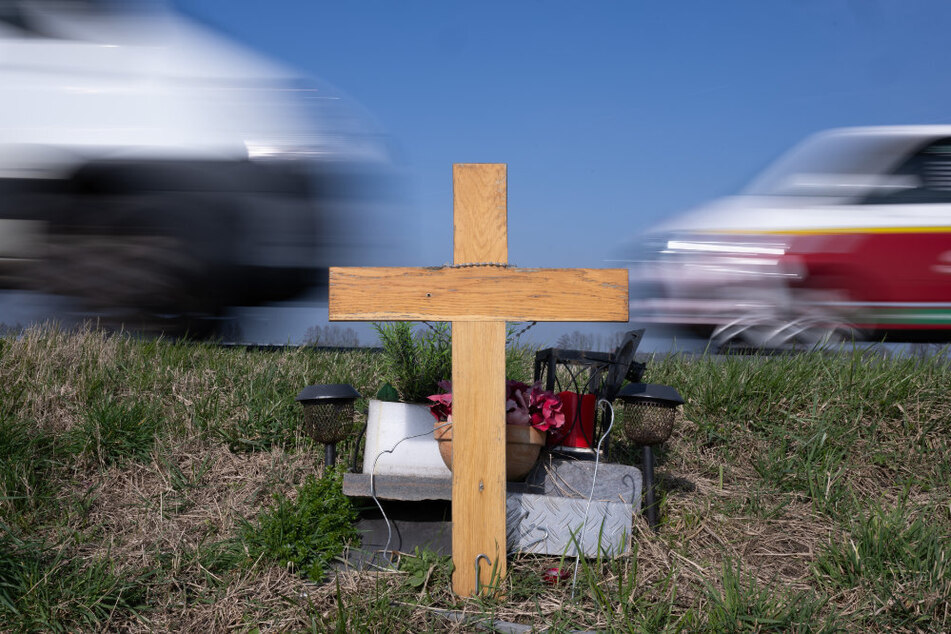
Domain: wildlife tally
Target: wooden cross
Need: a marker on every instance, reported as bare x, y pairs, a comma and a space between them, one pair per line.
478, 294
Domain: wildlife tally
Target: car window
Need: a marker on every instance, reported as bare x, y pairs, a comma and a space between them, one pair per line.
929, 169
832, 165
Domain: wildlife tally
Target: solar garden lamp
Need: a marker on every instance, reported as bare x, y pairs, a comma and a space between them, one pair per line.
328, 415
649, 410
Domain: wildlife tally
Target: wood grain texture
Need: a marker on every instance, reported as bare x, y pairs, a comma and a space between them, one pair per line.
480, 218
478, 453
478, 294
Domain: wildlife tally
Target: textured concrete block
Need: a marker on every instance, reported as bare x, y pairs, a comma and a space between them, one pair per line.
544, 514
555, 525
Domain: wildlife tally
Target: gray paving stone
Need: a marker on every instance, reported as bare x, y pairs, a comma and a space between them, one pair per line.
412, 489
403, 488
544, 514
551, 476
572, 479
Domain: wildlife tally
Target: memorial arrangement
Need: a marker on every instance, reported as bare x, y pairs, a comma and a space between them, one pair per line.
193, 497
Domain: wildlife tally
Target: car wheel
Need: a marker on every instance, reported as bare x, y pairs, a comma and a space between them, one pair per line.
759, 333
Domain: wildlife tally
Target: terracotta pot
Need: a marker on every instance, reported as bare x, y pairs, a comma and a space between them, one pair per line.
443, 437
523, 444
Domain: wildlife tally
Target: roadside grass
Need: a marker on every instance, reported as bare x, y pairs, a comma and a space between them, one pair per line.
43, 589
27, 489
898, 560
113, 430
162, 486
740, 603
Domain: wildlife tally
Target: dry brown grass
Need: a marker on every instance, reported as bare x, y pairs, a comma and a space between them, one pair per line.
144, 518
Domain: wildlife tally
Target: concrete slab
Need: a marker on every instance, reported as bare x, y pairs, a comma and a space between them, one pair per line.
551, 476
404, 488
572, 479
544, 514
398, 487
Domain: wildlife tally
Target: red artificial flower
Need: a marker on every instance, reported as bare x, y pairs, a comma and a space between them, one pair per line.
441, 409
524, 405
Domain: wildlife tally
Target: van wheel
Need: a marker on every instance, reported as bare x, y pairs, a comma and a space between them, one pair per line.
142, 283
141, 258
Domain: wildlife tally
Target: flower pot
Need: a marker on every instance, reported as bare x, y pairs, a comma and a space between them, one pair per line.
523, 443
388, 424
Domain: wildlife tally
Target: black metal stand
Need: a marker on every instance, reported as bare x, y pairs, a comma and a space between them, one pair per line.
355, 454
587, 372
330, 455
650, 506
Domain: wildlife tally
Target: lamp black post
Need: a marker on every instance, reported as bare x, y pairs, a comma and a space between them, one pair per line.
649, 412
328, 415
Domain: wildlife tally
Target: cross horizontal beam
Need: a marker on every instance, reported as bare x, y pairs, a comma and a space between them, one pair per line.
477, 293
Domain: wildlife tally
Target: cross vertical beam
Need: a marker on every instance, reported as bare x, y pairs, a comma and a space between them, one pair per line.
478, 388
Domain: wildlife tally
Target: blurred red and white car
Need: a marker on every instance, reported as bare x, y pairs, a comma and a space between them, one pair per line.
848, 234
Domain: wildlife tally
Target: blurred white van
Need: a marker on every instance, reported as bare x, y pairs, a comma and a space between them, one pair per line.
158, 172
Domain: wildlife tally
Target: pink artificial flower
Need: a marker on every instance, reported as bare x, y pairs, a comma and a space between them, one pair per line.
531, 405
441, 409
546, 408
524, 405
516, 410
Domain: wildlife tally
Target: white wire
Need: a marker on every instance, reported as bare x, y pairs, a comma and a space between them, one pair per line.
389, 526
594, 479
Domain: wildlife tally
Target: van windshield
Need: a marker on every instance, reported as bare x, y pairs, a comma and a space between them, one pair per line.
31, 17
828, 164
89, 6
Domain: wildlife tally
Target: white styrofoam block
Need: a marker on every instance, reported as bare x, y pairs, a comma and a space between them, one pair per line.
387, 424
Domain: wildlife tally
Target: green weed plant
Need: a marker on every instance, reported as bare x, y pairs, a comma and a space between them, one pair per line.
305, 532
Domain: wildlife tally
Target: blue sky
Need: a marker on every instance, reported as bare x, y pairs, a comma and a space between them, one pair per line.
610, 115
